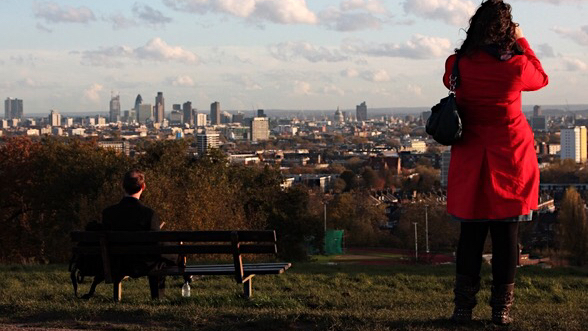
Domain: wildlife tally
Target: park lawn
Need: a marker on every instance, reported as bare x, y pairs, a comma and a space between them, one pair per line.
309, 296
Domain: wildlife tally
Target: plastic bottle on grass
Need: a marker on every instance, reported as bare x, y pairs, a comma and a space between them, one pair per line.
186, 290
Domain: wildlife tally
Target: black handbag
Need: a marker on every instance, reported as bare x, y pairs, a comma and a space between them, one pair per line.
444, 124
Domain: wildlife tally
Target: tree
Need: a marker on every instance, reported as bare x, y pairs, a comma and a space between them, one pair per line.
573, 227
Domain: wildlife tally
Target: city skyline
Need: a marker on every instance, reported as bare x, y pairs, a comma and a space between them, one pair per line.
268, 54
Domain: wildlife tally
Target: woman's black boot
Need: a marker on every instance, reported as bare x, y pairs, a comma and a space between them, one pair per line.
501, 300
465, 290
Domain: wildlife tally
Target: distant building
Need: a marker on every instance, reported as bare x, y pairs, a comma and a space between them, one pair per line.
144, 113
538, 123
188, 113
215, 113
100, 121
138, 102
176, 106
259, 129
114, 109
201, 119
537, 111
445, 161
239, 118
176, 117
159, 108
206, 141
226, 117
118, 146
339, 118
13, 109
54, 118
361, 112
260, 113
573, 144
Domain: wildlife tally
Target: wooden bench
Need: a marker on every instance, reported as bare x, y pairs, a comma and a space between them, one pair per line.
112, 244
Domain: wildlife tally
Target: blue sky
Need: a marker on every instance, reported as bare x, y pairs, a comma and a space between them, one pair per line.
272, 54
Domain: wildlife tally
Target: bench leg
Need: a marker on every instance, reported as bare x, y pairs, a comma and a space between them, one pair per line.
157, 287
247, 289
117, 290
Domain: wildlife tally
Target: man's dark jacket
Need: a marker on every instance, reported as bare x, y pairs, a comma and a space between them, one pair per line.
131, 215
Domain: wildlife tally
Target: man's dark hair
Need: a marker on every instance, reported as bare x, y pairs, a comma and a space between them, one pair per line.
133, 181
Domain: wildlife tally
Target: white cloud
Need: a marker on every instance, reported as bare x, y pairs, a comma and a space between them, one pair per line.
52, 12
376, 76
545, 50
276, 11
299, 49
454, 12
155, 50
333, 90
120, 21
579, 35
372, 6
181, 80
158, 50
341, 21
349, 73
92, 93
572, 64
419, 47
302, 87
414, 89
150, 15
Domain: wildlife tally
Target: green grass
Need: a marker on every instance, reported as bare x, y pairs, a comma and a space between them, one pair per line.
312, 296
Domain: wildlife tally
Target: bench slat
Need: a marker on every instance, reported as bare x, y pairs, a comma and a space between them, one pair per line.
226, 269
176, 249
174, 236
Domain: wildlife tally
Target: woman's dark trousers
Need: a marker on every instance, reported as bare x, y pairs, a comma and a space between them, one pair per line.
505, 254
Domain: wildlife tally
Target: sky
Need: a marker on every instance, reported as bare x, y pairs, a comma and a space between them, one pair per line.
270, 54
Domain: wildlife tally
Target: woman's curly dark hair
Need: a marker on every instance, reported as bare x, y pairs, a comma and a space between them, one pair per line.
491, 25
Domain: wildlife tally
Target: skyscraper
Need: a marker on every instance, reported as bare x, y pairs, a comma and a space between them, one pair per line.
54, 118
114, 108
188, 113
13, 109
259, 129
215, 110
144, 113
159, 108
138, 102
361, 112
574, 144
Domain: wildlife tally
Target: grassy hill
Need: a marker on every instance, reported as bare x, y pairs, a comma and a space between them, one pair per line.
311, 296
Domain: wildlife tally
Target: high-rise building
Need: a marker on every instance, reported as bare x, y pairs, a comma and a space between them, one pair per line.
13, 109
176, 106
138, 102
361, 112
537, 111
54, 118
188, 113
215, 113
445, 161
573, 144
259, 129
206, 141
538, 123
159, 108
176, 118
226, 117
114, 108
238, 117
144, 113
260, 113
200, 120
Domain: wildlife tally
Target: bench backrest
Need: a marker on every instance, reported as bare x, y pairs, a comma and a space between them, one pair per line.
108, 243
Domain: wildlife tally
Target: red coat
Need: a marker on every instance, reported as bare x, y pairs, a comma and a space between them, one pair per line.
494, 172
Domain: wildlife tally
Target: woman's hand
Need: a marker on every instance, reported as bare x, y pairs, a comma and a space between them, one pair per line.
518, 32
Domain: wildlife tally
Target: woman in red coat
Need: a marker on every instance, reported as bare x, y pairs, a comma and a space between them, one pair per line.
493, 175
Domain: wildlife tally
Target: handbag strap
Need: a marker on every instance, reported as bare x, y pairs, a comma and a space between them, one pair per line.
454, 78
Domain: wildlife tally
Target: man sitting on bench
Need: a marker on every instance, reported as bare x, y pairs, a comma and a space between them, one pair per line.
131, 215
